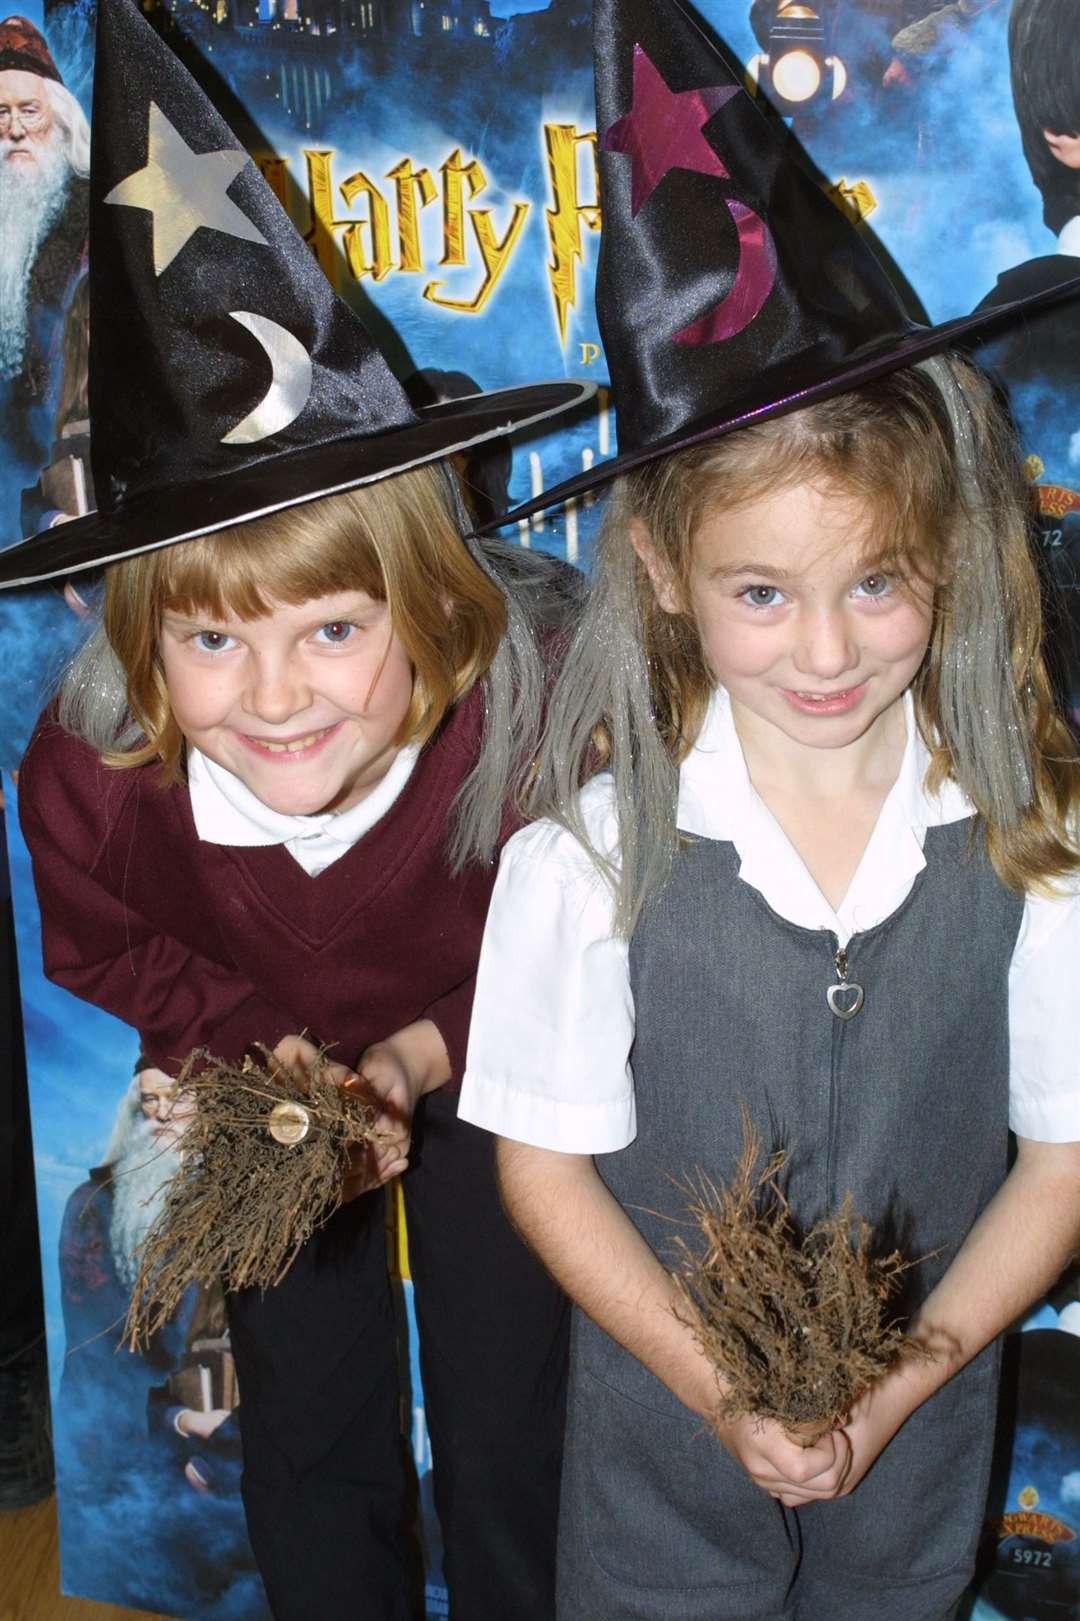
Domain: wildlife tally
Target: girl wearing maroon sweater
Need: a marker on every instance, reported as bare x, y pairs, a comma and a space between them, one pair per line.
263, 810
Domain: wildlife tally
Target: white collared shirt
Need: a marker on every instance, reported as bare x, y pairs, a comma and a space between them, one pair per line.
227, 812
553, 1019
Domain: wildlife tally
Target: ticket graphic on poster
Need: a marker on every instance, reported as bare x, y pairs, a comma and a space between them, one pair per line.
1030, 1559
438, 158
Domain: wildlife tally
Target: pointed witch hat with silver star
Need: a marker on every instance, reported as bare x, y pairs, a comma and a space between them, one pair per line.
227, 380
729, 287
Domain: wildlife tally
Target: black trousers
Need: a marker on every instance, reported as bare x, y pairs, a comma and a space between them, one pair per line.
326, 1479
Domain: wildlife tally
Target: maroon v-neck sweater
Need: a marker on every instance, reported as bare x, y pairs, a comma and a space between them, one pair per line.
208, 945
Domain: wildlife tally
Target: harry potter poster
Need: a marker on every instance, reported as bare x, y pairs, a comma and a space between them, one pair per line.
438, 158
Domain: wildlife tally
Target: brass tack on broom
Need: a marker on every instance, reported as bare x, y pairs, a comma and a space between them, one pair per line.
288, 1123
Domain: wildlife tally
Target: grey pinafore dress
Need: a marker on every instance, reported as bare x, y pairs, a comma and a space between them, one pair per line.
906, 1106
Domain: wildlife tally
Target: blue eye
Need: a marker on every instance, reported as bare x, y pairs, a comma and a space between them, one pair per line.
761, 596
336, 632
211, 641
874, 585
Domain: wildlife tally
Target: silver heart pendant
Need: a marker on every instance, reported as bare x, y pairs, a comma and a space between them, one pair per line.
851, 991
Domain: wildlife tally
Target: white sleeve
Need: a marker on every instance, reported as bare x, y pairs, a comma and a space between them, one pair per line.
553, 1019
1044, 1021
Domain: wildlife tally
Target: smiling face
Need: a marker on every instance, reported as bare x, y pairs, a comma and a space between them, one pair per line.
305, 704
26, 118
813, 642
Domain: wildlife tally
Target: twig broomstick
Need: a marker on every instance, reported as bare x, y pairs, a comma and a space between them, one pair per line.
795, 1324
262, 1164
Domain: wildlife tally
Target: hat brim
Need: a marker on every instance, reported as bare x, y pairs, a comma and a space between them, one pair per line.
861, 367
165, 517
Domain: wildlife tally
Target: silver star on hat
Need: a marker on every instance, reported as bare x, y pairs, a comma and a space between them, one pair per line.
184, 190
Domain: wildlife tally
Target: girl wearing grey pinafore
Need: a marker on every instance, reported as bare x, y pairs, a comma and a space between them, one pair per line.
887, 1040
895, 1081
904, 1104
818, 528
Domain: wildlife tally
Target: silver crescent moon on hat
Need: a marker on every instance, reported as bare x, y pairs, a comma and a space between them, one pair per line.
290, 384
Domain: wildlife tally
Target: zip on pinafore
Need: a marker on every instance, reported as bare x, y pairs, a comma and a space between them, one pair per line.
845, 998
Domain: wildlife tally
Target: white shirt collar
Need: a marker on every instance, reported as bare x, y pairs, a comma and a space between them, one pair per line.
1068, 241
717, 801
227, 812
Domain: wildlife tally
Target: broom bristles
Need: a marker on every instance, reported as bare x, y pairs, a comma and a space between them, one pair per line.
795, 1324
241, 1203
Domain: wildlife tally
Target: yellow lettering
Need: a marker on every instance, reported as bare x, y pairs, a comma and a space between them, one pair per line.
567, 213
589, 353
494, 252
321, 233
366, 240
324, 222
415, 190
454, 172
379, 263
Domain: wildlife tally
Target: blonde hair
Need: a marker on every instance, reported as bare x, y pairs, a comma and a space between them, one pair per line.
396, 540
400, 540
927, 451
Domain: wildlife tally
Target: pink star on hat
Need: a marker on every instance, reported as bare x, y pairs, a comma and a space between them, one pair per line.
663, 129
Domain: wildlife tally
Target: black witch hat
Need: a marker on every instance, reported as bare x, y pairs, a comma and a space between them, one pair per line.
226, 380
729, 287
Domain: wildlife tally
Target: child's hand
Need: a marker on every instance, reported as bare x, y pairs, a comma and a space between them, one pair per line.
792, 1473
393, 1075
371, 1164
875, 1419
384, 1079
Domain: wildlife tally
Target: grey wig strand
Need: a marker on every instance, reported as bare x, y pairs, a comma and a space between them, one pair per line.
604, 684
983, 720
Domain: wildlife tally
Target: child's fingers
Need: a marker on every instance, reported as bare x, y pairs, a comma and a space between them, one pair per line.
387, 1155
296, 1053
381, 1082
797, 1500
371, 1165
819, 1473
804, 1465
300, 1056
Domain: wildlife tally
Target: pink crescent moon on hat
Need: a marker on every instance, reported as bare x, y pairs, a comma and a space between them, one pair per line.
290, 383
754, 279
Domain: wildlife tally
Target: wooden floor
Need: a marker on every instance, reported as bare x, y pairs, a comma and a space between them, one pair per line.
30, 1578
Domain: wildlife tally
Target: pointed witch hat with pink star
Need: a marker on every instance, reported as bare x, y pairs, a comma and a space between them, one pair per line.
729, 286
227, 380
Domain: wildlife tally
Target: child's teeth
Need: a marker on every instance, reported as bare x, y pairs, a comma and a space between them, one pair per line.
293, 747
